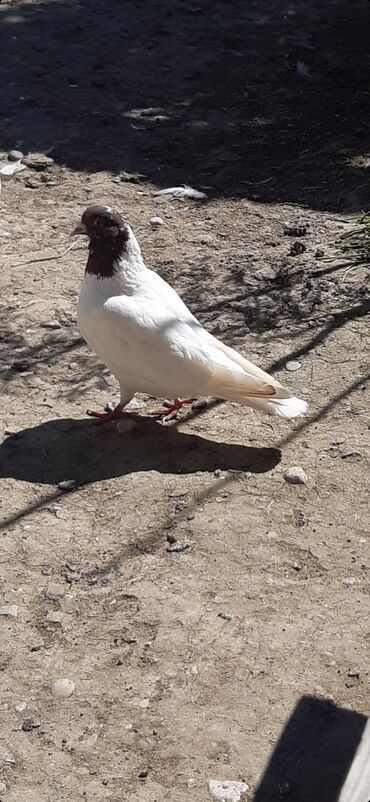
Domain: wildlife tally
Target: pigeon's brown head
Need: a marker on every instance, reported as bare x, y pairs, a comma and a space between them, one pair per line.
108, 234
101, 223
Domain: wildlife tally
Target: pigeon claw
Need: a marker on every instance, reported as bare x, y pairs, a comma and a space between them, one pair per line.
111, 414
170, 409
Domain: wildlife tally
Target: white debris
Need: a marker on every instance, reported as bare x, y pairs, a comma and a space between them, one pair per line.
227, 791
20, 707
296, 476
156, 221
8, 170
15, 155
182, 192
62, 688
291, 366
143, 704
9, 611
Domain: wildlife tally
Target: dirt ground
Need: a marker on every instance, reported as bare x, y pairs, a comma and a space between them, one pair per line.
244, 656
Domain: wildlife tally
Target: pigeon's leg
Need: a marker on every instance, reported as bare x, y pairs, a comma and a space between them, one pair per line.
170, 409
110, 414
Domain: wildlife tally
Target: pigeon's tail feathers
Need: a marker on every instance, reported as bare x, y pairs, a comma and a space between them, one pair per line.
282, 407
264, 395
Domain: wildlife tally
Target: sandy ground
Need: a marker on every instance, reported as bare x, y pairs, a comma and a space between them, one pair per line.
244, 655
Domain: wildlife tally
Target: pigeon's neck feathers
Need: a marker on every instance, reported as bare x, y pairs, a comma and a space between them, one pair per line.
120, 256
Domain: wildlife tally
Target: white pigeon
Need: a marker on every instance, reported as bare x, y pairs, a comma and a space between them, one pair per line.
148, 338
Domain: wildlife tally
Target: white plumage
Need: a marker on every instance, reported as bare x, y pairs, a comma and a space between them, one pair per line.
148, 338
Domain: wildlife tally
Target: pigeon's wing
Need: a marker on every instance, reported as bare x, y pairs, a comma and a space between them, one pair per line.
166, 355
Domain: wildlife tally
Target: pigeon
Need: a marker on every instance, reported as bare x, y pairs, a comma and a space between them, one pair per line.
141, 329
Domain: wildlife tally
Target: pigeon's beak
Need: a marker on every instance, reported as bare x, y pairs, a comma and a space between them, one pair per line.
80, 229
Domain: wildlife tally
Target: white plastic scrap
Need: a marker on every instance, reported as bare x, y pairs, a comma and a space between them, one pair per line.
227, 790
8, 170
182, 192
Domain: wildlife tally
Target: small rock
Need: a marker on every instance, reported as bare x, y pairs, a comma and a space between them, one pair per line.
271, 535
54, 591
218, 472
2, 788
202, 403
15, 155
292, 366
296, 476
225, 616
171, 538
143, 704
349, 580
68, 484
9, 611
143, 774
53, 617
38, 161
62, 688
180, 545
297, 567
156, 221
319, 253
354, 674
125, 425
51, 324
32, 184
297, 247
295, 229
20, 707
227, 791
30, 724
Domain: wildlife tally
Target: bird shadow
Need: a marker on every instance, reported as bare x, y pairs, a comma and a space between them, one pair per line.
87, 452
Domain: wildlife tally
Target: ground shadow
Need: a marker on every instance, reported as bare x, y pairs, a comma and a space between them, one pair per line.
265, 100
87, 452
313, 755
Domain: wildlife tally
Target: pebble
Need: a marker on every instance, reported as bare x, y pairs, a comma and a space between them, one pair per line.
125, 425
54, 617
349, 580
143, 704
32, 184
225, 616
30, 724
291, 366
319, 253
15, 155
20, 707
227, 791
9, 611
156, 221
271, 535
296, 476
180, 545
38, 161
51, 324
297, 247
62, 688
68, 484
202, 403
54, 591
295, 229
2, 788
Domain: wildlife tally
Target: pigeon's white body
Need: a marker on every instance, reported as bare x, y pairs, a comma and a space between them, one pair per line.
137, 324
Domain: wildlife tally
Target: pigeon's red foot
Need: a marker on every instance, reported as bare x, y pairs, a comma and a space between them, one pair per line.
108, 415
170, 409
